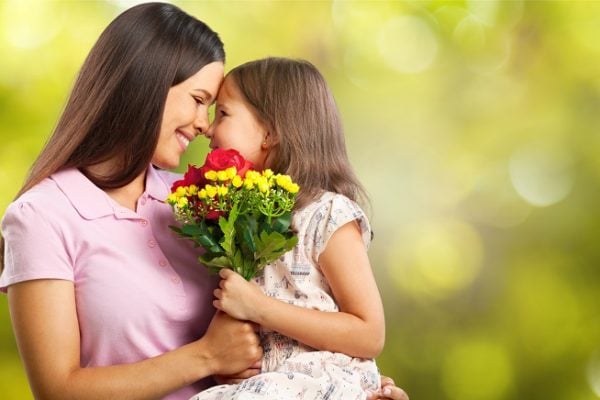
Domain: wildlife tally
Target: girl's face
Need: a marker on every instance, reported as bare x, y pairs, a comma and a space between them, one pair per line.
186, 114
236, 126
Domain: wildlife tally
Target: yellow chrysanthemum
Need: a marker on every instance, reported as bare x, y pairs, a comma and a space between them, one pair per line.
263, 184
292, 188
248, 183
252, 175
231, 172
283, 180
172, 199
267, 173
237, 181
181, 191
182, 202
222, 190
202, 194
211, 191
211, 175
222, 176
192, 190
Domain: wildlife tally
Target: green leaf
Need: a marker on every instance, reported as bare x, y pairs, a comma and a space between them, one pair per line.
218, 262
227, 226
175, 228
191, 229
282, 223
247, 236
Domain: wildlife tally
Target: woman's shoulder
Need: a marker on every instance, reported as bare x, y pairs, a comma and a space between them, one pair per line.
41, 202
168, 177
44, 194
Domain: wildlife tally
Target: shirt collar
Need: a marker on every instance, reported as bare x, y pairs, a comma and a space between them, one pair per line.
156, 186
91, 202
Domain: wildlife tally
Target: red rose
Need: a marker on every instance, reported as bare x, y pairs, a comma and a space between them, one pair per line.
221, 159
193, 176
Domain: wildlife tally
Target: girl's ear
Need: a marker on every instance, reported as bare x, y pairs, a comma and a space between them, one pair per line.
266, 144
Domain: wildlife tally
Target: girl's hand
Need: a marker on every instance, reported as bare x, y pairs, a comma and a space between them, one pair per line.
237, 297
388, 390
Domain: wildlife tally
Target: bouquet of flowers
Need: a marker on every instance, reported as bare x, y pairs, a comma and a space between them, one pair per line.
241, 217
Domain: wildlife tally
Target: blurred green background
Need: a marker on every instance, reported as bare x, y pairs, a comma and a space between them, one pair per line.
474, 126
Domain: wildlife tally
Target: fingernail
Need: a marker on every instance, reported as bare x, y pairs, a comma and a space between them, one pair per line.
387, 391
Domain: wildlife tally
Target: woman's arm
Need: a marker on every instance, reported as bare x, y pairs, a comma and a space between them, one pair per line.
45, 323
357, 330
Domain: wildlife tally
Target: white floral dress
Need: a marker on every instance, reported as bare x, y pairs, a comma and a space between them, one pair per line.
291, 370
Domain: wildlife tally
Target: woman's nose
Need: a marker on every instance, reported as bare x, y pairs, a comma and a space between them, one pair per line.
201, 123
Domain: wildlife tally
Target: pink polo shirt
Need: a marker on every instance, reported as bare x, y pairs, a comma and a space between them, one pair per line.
139, 289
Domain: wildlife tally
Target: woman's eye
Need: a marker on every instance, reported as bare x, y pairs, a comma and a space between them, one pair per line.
199, 100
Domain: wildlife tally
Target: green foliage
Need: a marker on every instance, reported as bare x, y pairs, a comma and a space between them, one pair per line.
245, 243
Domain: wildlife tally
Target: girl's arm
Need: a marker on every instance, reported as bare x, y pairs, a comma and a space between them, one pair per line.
357, 330
46, 328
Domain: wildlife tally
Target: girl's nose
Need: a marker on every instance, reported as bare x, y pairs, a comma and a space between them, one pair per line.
209, 132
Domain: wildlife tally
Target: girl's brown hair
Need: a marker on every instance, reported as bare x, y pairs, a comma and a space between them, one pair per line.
306, 136
115, 108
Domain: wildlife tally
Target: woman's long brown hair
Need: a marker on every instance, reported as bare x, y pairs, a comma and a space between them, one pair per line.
115, 108
294, 102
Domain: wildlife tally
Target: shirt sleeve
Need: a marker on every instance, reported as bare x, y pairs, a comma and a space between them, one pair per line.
334, 213
33, 248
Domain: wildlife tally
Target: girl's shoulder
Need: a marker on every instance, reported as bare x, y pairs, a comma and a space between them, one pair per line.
327, 213
333, 203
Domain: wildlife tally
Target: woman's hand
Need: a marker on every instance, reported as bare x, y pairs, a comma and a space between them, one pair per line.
232, 345
253, 370
238, 297
388, 390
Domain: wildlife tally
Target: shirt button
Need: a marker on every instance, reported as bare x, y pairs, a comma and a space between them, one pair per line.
175, 280
144, 222
151, 243
162, 263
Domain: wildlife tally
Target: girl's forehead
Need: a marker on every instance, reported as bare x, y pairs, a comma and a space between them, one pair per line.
229, 90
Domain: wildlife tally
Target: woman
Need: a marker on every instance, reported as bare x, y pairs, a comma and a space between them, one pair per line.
103, 300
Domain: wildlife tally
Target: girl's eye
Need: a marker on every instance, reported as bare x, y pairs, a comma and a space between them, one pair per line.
199, 100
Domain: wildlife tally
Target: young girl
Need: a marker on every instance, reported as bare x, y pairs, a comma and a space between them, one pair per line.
318, 306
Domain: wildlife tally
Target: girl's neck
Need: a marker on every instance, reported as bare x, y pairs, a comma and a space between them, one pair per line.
127, 195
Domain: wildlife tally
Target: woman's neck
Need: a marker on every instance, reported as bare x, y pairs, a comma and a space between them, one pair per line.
127, 195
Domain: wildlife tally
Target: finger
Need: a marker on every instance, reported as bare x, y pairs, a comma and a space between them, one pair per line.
257, 365
217, 304
218, 293
387, 381
394, 393
225, 273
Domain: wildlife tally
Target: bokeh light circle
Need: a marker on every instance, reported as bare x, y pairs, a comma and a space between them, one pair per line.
407, 44
435, 259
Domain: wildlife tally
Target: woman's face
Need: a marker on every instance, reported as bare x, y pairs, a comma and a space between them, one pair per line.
237, 127
186, 114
